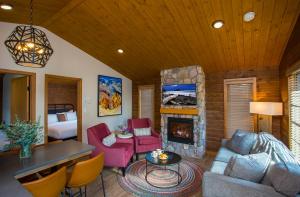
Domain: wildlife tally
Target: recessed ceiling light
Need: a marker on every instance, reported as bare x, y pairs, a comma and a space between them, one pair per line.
6, 7
120, 51
218, 24
249, 16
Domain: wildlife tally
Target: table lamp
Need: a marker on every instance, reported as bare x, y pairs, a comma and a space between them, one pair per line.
265, 111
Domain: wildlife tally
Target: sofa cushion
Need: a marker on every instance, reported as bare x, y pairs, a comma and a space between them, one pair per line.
146, 140
248, 167
285, 178
242, 142
218, 167
142, 131
224, 154
109, 140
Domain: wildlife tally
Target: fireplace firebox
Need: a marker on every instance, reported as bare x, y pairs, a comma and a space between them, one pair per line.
181, 130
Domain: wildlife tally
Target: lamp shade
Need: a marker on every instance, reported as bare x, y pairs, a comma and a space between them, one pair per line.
266, 108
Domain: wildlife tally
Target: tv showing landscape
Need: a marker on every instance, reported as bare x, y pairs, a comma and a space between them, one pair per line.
179, 94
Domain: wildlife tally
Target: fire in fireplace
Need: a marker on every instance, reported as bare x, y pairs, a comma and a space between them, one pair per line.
181, 130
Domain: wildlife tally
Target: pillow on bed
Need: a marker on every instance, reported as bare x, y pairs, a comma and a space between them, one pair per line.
61, 117
71, 116
52, 118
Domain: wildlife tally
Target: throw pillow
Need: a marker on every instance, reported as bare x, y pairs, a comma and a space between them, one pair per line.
285, 178
109, 140
242, 142
52, 118
248, 167
142, 131
61, 117
71, 116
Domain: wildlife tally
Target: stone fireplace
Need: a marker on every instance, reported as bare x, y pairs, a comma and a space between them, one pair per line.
183, 128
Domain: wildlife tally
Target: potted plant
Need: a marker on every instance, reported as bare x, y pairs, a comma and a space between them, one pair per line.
23, 134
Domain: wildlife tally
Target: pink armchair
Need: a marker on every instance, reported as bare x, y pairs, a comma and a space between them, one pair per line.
144, 143
118, 155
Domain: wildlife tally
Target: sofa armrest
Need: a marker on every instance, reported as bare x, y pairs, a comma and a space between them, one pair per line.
224, 142
218, 185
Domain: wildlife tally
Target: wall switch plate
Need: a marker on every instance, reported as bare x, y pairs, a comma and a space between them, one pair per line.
185, 146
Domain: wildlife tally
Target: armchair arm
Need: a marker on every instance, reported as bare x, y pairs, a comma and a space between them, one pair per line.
154, 133
218, 185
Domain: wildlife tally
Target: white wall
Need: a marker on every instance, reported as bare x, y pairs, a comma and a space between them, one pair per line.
68, 60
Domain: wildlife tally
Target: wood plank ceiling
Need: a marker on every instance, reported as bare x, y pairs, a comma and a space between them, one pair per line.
158, 34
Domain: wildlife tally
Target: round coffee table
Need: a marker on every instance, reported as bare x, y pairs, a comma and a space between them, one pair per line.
173, 159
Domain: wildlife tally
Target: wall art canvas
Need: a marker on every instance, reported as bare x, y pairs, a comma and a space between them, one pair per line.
109, 96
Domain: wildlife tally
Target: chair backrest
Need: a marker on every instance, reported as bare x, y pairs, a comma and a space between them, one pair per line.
138, 123
87, 171
49, 186
99, 131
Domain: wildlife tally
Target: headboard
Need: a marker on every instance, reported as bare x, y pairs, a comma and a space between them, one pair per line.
59, 108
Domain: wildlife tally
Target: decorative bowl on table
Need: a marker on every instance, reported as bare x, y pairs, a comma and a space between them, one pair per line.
163, 156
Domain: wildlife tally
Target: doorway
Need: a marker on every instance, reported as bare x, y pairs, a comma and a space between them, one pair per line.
63, 108
17, 99
146, 102
238, 93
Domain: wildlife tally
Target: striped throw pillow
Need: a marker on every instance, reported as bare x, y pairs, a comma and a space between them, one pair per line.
142, 131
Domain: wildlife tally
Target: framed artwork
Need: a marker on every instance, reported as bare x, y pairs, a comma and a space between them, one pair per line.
109, 96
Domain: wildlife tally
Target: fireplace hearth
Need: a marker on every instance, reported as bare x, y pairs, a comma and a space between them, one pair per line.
181, 130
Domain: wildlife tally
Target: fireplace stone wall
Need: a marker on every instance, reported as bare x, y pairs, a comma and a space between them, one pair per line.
186, 75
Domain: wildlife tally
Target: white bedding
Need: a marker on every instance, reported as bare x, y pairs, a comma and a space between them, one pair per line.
63, 130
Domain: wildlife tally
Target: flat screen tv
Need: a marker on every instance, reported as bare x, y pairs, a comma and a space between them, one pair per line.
179, 94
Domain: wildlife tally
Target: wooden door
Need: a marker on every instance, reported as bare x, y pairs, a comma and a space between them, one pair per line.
146, 102
19, 98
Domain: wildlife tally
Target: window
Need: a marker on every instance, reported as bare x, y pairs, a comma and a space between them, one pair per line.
237, 95
294, 102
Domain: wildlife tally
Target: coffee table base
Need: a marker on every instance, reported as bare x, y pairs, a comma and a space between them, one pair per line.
165, 168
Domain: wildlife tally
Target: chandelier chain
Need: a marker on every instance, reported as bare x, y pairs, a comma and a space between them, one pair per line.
31, 13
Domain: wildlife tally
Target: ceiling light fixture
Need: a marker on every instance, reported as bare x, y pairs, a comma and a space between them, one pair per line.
218, 24
6, 7
120, 51
28, 45
249, 16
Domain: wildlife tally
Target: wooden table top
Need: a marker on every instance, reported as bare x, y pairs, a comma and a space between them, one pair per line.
43, 157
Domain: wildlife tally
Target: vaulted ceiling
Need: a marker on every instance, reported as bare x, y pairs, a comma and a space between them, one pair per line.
158, 34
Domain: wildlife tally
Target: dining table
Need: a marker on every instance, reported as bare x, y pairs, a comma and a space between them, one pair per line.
43, 157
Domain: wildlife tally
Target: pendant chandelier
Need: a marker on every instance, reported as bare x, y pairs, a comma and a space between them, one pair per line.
28, 45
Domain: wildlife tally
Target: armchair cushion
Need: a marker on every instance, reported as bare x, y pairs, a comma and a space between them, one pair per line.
142, 131
146, 140
109, 140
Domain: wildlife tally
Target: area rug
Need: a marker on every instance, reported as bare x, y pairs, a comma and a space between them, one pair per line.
134, 182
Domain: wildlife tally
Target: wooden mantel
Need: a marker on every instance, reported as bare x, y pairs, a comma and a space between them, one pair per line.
184, 111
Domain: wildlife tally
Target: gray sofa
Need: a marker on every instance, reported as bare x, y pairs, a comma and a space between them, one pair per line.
216, 184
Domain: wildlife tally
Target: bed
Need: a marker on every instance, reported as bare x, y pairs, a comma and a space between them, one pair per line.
62, 130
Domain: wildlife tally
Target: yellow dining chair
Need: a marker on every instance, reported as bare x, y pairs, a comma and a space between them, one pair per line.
85, 172
49, 186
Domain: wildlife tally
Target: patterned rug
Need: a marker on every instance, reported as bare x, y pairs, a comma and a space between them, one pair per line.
134, 182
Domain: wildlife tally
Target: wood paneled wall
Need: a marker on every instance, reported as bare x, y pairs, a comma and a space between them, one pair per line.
62, 94
290, 57
135, 100
267, 90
